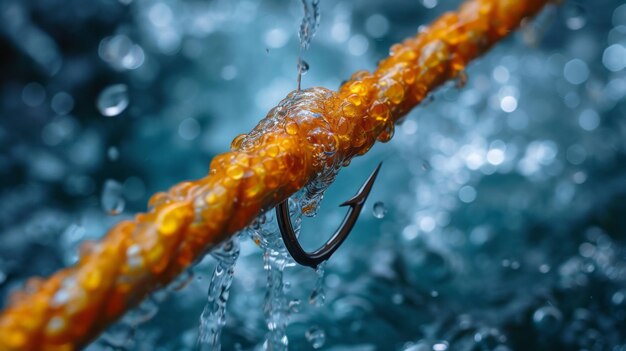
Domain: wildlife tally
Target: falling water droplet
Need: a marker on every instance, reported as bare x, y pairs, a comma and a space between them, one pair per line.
113, 100
379, 210
318, 295
316, 336
111, 199
303, 67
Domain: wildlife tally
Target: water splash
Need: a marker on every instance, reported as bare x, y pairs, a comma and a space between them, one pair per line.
313, 192
308, 27
318, 296
277, 308
213, 316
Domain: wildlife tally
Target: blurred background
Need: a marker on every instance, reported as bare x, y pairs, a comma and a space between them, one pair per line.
500, 209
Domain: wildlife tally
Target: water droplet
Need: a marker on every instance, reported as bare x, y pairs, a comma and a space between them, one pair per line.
613, 57
547, 319
3, 272
420, 346
429, 4
467, 194
575, 15
619, 298
113, 100
377, 25
70, 241
62, 103
113, 153
121, 53
294, 306
33, 94
576, 71
189, 129
143, 313
397, 299
440, 346
111, 200
303, 67
316, 336
379, 210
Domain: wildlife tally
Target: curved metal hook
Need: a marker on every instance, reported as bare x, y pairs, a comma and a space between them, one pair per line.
313, 259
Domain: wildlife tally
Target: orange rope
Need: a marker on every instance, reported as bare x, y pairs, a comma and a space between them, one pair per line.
310, 134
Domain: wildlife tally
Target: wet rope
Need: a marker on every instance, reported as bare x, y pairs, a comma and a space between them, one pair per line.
307, 137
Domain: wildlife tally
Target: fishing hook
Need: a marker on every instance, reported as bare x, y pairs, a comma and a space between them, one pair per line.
313, 259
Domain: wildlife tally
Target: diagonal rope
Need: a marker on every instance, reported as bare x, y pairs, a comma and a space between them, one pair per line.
308, 136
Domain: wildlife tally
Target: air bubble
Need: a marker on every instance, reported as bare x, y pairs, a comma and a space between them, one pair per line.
113, 100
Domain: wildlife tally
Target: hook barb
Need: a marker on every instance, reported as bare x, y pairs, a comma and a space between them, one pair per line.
313, 259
